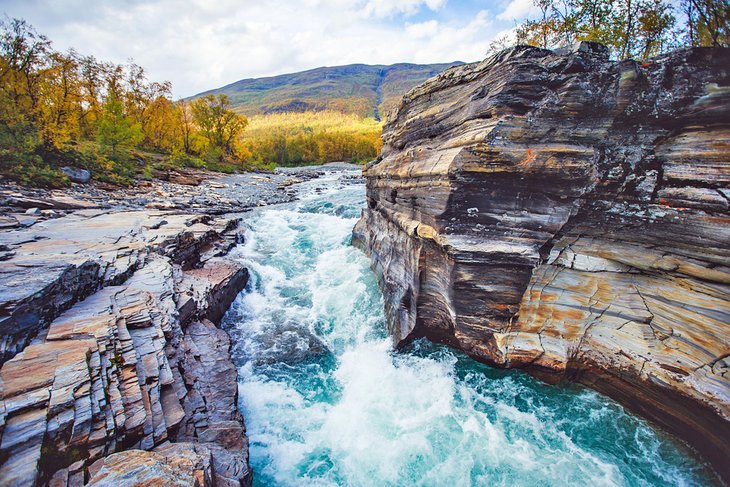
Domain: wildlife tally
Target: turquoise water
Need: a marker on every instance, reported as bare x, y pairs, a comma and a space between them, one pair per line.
328, 402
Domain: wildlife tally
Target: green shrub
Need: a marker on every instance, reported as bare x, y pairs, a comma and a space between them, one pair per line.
34, 173
181, 159
225, 167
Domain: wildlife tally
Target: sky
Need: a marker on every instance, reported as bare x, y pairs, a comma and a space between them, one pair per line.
204, 44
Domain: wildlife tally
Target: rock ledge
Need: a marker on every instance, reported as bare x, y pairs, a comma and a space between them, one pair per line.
110, 344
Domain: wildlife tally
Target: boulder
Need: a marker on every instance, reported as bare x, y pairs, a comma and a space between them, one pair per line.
288, 343
76, 175
183, 467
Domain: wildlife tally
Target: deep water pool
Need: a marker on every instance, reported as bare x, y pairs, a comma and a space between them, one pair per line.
328, 402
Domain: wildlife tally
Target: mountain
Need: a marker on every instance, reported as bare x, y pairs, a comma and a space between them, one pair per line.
368, 90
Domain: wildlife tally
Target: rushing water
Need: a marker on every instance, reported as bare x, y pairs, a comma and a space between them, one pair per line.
328, 402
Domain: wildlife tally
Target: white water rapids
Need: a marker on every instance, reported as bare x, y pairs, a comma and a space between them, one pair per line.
327, 402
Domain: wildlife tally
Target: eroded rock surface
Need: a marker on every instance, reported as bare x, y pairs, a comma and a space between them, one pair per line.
58, 262
110, 344
568, 214
190, 191
171, 464
180, 464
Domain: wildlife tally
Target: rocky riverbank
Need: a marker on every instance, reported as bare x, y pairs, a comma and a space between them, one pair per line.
192, 192
567, 214
113, 367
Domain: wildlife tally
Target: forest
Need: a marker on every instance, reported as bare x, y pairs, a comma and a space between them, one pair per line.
68, 109
287, 139
62, 109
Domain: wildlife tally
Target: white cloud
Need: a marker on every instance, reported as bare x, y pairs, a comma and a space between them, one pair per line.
518, 10
388, 8
466, 42
423, 29
199, 45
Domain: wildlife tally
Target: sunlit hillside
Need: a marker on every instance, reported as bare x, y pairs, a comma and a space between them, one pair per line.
366, 90
312, 137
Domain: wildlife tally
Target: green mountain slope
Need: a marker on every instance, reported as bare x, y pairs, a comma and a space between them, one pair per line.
367, 90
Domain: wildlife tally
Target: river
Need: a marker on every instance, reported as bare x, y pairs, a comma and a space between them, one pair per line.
328, 402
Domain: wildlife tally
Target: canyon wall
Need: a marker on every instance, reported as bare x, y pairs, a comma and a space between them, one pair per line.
114, 370
570, 215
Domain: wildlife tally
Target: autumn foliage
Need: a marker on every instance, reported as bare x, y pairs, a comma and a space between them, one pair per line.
59, 109
312, 137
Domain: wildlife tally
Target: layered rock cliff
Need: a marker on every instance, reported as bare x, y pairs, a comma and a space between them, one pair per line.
110, 344
568, 214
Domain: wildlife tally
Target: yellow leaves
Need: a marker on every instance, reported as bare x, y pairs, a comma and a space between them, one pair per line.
635, 28
62, 101
161, 125
312, 137
218, 122
328, 120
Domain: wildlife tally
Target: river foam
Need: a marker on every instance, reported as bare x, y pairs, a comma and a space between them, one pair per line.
328, 402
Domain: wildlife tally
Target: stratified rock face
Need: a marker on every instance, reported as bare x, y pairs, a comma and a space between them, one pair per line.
51, 266
122, 355
569, 214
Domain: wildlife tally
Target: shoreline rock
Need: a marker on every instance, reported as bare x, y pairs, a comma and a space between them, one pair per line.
111, 353
192, 192
76, 175
110, 343
567, 214
111, 356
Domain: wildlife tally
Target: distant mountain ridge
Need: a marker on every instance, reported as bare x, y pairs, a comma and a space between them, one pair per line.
367, 90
